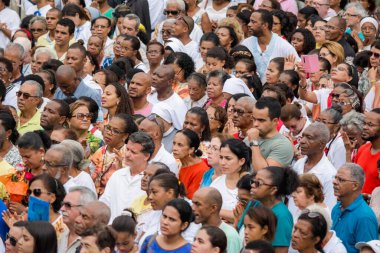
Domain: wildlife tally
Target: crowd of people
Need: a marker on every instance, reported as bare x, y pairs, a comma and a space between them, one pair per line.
178, 126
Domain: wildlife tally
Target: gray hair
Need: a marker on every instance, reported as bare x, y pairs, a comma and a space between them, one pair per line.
14, 46
171, 21
336, 116
353, 120
322, 130
250, 101
359, 10
67, 155
179, 3
315, 208
144, 140
160, 166
45, 50
357, 172
220, 74
76, 148
132, 16
40, 92
86, 195
37, 19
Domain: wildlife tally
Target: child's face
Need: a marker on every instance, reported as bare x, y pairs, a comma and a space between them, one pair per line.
214, 64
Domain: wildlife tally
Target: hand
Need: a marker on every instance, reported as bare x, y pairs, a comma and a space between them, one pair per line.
253, 134
290, 137
356, 37
11, 218
95, 4
119, 157
237, 211
16, 207
348, 144
3, 26
290, 61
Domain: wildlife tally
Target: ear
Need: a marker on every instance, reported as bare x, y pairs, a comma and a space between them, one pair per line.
106, 250
265, 230
191, 151
41, 151
224, 62
241, 161
147, 157
148, 90
8, 133
184, 225
62, 119
317, 239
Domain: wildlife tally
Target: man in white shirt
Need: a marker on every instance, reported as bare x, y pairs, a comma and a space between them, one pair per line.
323, 8
265, 45
9, 22
40, 8
124, 185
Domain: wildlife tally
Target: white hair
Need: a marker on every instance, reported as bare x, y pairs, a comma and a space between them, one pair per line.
359, 10
179, 3
40, 92
45, 50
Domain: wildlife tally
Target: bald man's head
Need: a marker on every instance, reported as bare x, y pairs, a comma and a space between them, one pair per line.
92, 214
66, 79
140, 85
207, 203
163, 77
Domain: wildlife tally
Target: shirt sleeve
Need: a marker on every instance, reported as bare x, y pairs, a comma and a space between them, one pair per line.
282, 152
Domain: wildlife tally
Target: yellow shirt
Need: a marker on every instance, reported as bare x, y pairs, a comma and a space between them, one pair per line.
31, 125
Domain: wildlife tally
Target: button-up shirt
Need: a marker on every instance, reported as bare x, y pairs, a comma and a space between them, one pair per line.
81, 90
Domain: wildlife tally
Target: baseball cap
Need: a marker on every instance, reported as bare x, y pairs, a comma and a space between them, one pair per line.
188, 21
374, 245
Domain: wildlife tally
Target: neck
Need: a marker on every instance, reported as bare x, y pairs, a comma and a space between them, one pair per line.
233, 176
7, 145
61, 48
73, 172
81, 74
313, 159
28, 114
217, 170
189, 160
375, 145
172, 239
52, 33
41, 4
309, 250
112, 111
157, 146
63, 179
184, 38
138, 169
139, 103
347, 200
2, 6
270, 201
245, 129
214, 220
81, 133
16, 74
271, 134
265, 38
104, 7
327, 238
218, 100
165, 94
118, 146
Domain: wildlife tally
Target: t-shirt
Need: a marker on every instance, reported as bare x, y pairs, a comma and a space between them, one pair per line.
191, 177
153, 247
284, 227
234, 242
228, 195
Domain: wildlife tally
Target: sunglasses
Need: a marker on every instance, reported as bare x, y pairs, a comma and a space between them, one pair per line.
175, 13
68, 205
12, 240
25, 95
37, 30
81, 116
376, 55
36, 192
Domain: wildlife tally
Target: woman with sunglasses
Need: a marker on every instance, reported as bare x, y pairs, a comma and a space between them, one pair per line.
13, 236
269, 186
38, 236
372, 99
109, 158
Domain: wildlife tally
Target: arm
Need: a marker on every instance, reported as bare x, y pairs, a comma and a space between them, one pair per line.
302, 89
227, 215
281, 249
7, 32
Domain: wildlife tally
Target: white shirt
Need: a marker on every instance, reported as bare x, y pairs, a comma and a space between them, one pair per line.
166, 158
195, 34
369, 99
141, 66
89, 81
192, 49
334, 245
12, 21
156, 10
322, 97
108, 48
70, 183
11, 98
122, 188
200, 103
228, 195
337, 152
83, 32
84, 179
32, 9
213, 14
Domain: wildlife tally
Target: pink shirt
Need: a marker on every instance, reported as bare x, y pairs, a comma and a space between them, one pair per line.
286, 5
146, 110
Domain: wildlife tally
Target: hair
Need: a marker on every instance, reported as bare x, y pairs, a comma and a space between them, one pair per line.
362, 59
284, 20
85, 194
266, 16
216, 236
130, 125
239, 149
285, 179
274, 107
294, 80
52, 185
264, 216
91, 104
71, 10
68, 132
359, 10
199, 111
9, 123
308, 40
319, 228
335, 114
326, 65
322, 130
290, 111
7, 63
80, 47
210, 36
67, 23
280, 92
66, 154
52, 64
125, 105
357, 172
235, 97
183, 60
312, 186
101, 17
77, 151
51, 78
145, 141
169, 181
220, 115
134, 17
105, 236
44, 235
352, 120
307, 11
280, 62
244, 183
37, 19
335, 49
218, 53
260, 246
184, 209
125, 223
220, 74
35, 81
232, 32
199, 78
135, 43
34, 140
193, 140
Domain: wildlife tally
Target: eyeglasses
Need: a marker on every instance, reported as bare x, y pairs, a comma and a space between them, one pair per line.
174, 13
348, 15
37, 192
165, 31
68, 205
113, 131
25, 95
154, 52
12, 240
239, 112
324, 55
153, 117
81, 116
325, 122
330, 27
376, 55
243, 201
100, 27
342, 180
258, 184
50, 165
315, 4
334, 95
54, 142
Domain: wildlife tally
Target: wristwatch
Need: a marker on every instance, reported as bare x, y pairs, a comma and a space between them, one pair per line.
254, 143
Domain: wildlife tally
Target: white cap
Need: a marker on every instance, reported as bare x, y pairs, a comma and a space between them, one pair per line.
374, 245
234, 85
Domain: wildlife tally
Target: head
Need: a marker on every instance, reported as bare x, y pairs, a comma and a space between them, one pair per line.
348, 181
76, 57
38, 27
275, 67
182, 65
153, 168
37, 236
208, 40
182, 27
330, 118
242, 113
259, 224
352, 124
259, 246
153, 127
99, 239
6, 67
303, 41
235, 157
266, 113
309, 191
197, 85
55, 113
58, 160
217, 117
163, 78
186, 143
304, 14
245, 66
64, 32
80, 116
354, 12
333, 52
176, 217
131, 23
227, 36
174, 8
314, 139
119, 128
371, 125
345, 97
216, 59
209, 239
116, 98
13, 236
66, 78
375, 55
261, 22
52, 17
101, 26
197, 120
214, 150
369, 27
139, 150
29, 96
207, 203
125, 227
41, 55
10, 128
322, 6
94, 213
215, 82
32, 147
155, 52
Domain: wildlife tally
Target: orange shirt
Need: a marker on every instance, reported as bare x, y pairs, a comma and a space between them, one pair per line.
369, 164
191, 177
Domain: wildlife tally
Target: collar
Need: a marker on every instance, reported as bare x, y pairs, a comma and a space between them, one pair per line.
171, 129
355, 204
9, 88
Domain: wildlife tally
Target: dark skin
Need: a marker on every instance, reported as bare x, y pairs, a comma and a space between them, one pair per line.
67, 79
312, 146
162, 81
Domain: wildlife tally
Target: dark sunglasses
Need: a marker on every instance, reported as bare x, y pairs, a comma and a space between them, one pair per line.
25, 95
68, 205
37, 30
36, 192
12, 240
376, 55
175, 13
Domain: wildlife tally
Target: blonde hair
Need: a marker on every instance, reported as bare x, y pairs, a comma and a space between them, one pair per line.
335, 49
235, 25
74, 106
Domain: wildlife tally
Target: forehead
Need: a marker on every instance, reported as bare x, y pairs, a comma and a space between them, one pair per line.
101, 21
333, 21
372, 116
28, 88
134, 146
95, 39
140, 78
62, 28
72, 197
81, 109
256, 15
127, 21
53, 155
193, 117
38, 23
52, 13
264, 113
343, 172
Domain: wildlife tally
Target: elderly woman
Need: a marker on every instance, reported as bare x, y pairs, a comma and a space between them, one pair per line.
42, 55
351, 129
369, 28
38, 27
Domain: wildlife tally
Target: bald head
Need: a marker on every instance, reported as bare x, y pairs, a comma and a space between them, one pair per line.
247, 101
212, 196
66, 78
140, 86
65, 70
162, 78
92, 214
101, 212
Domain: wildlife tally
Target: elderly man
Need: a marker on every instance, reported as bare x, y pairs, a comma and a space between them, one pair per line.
76, 197
101, 26
55, 114
15, 53
335, 29
354, 12
28, 98
242, 116
353, 220
323, 8
182, 28
42, 55
138, 89
124, 185
92, 214
207, 203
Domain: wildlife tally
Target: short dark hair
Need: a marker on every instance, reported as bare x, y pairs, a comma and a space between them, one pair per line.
264, 216
145, 141
7, 63
183, 60
72, 9
260, 246
101, 17
64, 108
52, 64
274, 107
307, 11
210, 36
217, 237
184, 210
326, 65
105, 236
9, 123
67, 23
266, 17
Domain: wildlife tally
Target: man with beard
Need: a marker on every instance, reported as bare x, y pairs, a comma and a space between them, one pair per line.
55, 114
265, 45
139, 88
369, 153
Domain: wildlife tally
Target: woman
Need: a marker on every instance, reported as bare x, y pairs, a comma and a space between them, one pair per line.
214, 11
176, 218
333, 52
303, 41
186, 149
183, 66
196, 120
37, 27
8, 150
95, 48
91, 66
130, 46
234, 161
197, 90
32, 147
125, 226
259, 224
110, 157
369, 27
229, 127
275, 67
49, 189
227, 36
351, 129
217, 117
215, 81
245, 67
194, 11
13, 236
208, 40
116, 100
280, 23
372, 99
80, 19
209, 239
318, 30
37, 236
309, 232
269, 186
48, 76
155, 54
6, 69
217, 59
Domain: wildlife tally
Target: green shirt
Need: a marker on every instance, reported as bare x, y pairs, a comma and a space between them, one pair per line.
284, 227
31, 125
234, 242
108, 13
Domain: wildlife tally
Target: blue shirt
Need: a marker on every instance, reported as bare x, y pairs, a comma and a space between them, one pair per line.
153, 247
82, 90
3, 227
284, 228
356, 223
207, 178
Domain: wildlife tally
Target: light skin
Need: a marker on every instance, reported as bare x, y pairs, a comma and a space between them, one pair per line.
215, 90
26, 243
302, 238
301, 199
37, 62
15, 232
202, 243
253, 230
319, 31
134, 158
273, 73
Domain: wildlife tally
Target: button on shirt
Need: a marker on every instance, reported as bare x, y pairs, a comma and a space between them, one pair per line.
356, 223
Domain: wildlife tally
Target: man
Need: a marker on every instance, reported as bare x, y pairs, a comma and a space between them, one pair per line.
40, 8
64, 32
42, 55
182, 28
162, 81
265, 45
58, 161
242, 116
15, 53
55, 114
99, 239
101, 27
269, 147
353, 220
138, 89
76, 197
124, 185
52, 18
131, 24
369, 153
94, 213
28, 98
335, 29
60, 134
207, 203
70, 86
155, 130
354, 12
323, 8
9, 22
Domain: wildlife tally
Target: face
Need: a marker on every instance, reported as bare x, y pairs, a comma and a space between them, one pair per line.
242, 115
15, 234
195, 90
326, 119
30, 91
266, 5
309, 142
333, 32
166, 31
301, 200
170, 222
315, 77
343, 184
193, 122
81, 118
276, 28
114, 134
298, 41
129, 27
100, 78
110, 98
124, 242
325, 53
214, 64
84, 220
369, 31
371, 126
126, 49
38, 61
38, 28
62, 35
319, 31
178, 27
375, 57
159, 79
148, 173
214, 88
101, 28
241, 69
159, 196
15, 59
95, 45
70, 207
181, 146
154, 54
229, 162
67, 84
88, 245
213, 152
340, 74
202, 209
273, 73
262, 121
26, 243
75, 59
301, 20
179, 73
214, 122
253, 231
352, 17
134, 155
57, 136
322, 6
44, 193
31, 158
295, 125
224, 36
5, 75
262, 187
255, 25
204, 47
302, 237
117, 46
52, 18
202, 243
172, 11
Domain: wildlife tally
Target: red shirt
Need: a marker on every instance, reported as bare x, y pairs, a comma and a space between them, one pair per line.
369, 164
191, 177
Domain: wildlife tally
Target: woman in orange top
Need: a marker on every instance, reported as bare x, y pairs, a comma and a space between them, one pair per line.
185, 148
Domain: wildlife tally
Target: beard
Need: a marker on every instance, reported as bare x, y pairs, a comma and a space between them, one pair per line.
371, 138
